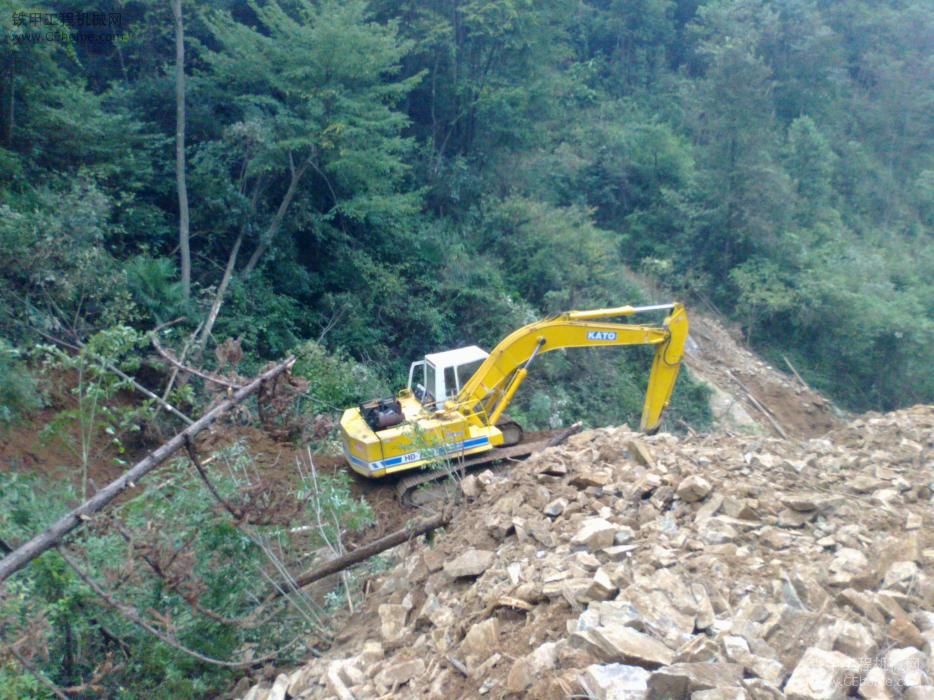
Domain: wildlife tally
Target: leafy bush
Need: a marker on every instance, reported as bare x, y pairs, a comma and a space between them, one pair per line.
154, 286
336, 381
18, 392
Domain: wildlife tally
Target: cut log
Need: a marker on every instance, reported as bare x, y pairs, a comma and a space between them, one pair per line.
361, 554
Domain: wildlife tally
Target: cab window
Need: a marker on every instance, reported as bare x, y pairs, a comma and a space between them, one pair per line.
430, 379
466, 371
450, 383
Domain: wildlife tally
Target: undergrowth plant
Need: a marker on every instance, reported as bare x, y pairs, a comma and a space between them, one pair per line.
19, 395
95, 386
176, 555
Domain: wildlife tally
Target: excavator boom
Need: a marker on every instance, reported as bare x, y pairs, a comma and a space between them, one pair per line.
489, 391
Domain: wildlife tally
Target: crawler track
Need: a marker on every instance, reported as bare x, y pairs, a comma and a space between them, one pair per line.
406, 485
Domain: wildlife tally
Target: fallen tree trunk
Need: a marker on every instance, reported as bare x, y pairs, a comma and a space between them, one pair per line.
565, 434
361, 554
39, 544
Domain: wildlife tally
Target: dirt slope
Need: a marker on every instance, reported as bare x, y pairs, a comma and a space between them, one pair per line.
702, 567
750, 395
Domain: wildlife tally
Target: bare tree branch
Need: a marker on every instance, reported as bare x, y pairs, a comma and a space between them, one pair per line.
276, 223
206, 376
363, 553
175, 370
235, 514
136, 385
219, 295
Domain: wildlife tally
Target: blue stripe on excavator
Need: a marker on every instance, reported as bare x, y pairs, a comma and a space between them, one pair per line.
415, 456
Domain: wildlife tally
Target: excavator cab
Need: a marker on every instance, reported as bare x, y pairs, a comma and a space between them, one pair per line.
440, 376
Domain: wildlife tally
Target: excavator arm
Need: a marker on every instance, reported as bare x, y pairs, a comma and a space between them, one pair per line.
488, 393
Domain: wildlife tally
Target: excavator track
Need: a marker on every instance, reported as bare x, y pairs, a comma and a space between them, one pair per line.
512, 432
406, 485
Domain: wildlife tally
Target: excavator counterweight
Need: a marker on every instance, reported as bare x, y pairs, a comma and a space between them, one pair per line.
455, 400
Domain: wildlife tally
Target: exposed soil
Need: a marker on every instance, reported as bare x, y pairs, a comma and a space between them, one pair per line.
764, 394
279, 462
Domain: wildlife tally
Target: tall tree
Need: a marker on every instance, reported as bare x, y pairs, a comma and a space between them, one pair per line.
313, 94
735, 127
181, 184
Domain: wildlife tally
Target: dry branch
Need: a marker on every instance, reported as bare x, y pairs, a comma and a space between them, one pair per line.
25, 553
206, 376
193, 456
362, 554
803, 383
565, 434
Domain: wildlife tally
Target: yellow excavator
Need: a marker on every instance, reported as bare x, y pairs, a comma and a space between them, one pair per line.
455, 401
454, 404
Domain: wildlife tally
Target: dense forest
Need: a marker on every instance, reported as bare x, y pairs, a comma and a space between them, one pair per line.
360, 183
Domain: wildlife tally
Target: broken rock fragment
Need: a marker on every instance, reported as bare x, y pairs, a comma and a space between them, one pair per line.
392, 622
615, 682
624, 645
694, 488
901, 576
595, 533
875, 686
556, 507
481, 639
823, 675
473, 562
908, 667
680, 680
721, 694
400, 672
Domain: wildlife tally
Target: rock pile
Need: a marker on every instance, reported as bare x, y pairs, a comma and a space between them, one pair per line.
620, 566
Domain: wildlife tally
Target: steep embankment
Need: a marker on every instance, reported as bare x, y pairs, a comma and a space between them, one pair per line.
749, 395
619, 566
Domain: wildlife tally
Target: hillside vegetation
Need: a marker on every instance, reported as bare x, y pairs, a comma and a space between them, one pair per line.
395, 178
359, 183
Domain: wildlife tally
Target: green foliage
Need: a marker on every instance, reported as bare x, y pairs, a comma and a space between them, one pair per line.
217, 564
17, 683
269, 323
96, 386
58, 272
530, 237
330, 503
19, 395
810, 163
763, 291
315, 88
335, 381
155, 288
